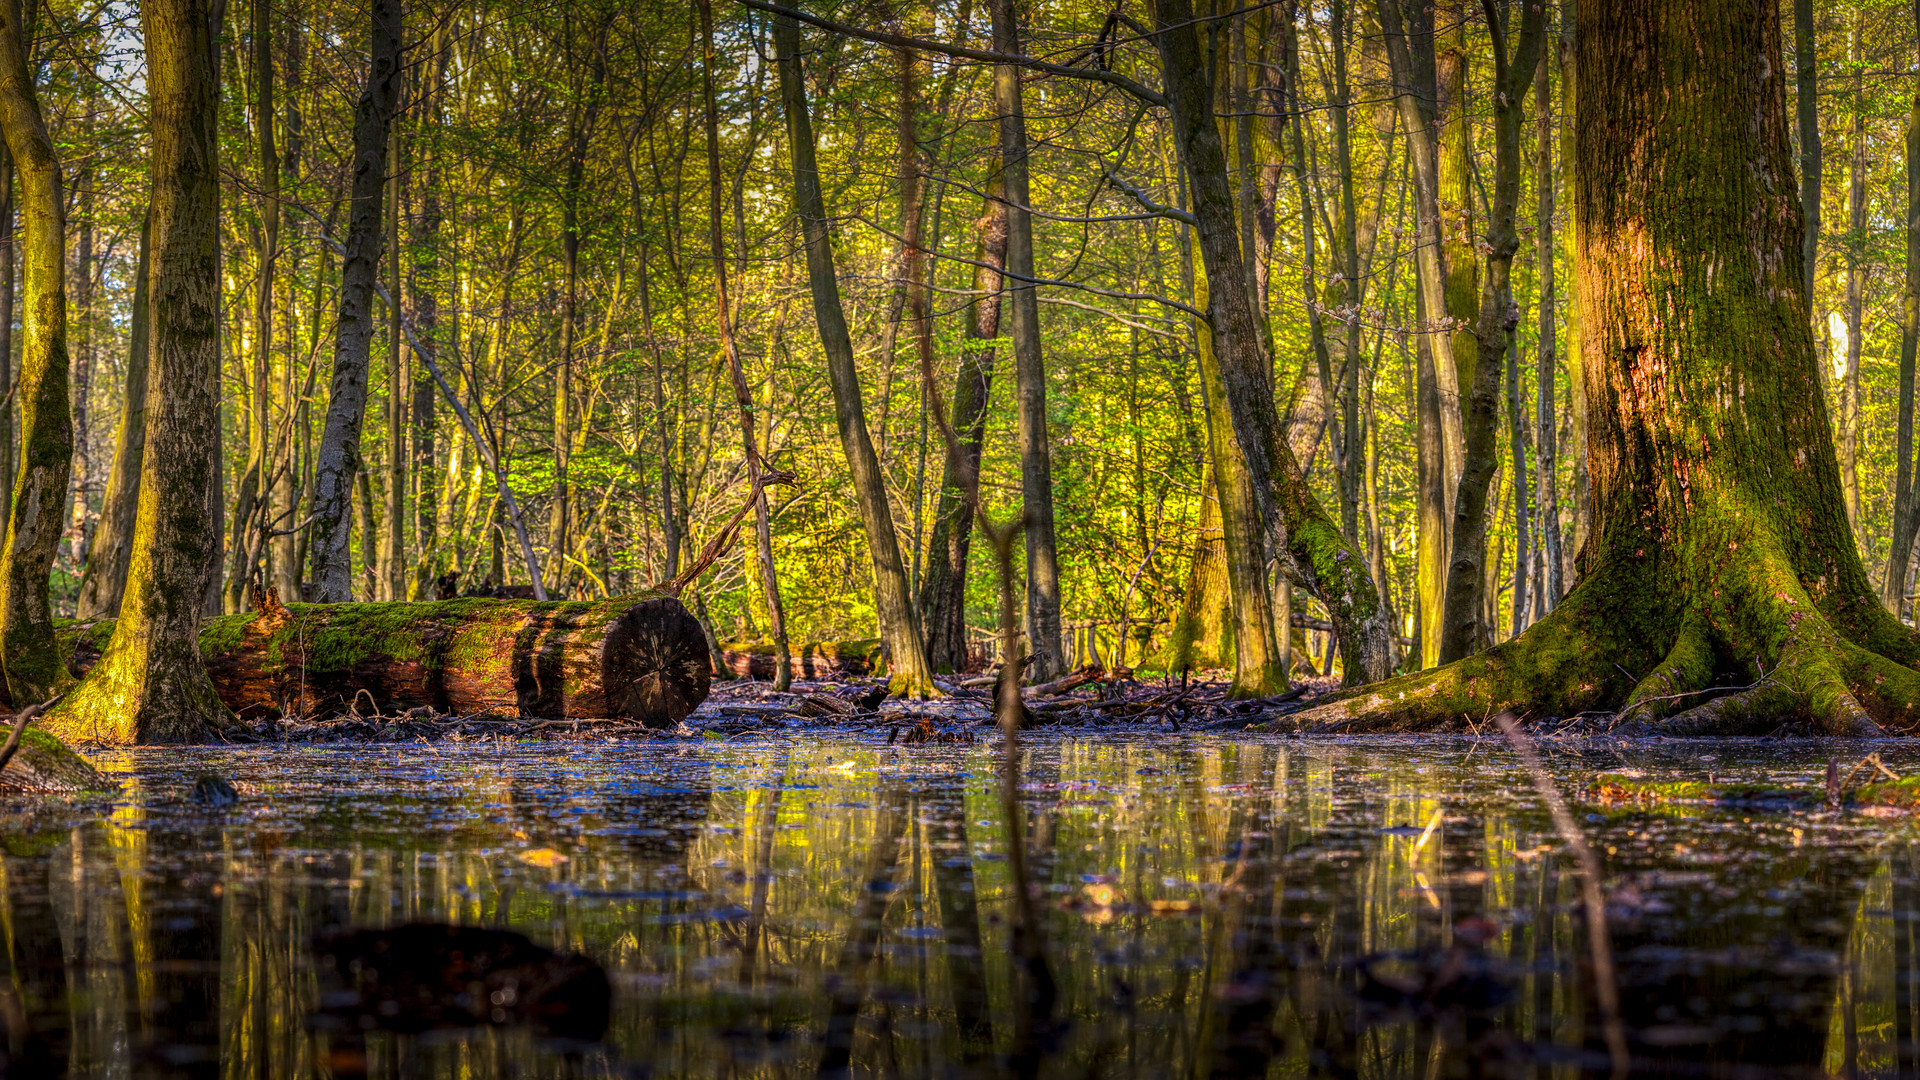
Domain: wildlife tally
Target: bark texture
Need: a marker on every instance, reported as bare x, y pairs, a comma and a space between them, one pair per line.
1721, 590
644, 659
151, 686
28, 662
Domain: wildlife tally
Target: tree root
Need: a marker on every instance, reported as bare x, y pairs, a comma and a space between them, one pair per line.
1747, 650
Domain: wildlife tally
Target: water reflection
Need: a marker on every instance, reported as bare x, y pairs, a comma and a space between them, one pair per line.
1222, 909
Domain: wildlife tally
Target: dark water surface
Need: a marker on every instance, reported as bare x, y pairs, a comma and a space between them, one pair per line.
1207, 906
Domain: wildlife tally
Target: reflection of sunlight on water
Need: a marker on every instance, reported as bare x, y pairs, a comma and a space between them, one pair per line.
1284, 907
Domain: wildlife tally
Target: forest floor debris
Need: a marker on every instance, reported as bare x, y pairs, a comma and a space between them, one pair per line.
745, 709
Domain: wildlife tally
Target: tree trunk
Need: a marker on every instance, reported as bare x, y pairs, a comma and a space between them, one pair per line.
338, 457
909, 672
1900, 555
389, 574
151, 685
1438, 426
743, 397
1856, 294
81, 321
1723, 591
9, 266
1546, 420
1029, 370
28, 660
641, 658
1466, 628
112, 550
1806, 62
943, 593
423, 277
1576, 379
1286, 519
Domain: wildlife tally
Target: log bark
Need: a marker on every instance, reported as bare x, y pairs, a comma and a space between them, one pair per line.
642, 658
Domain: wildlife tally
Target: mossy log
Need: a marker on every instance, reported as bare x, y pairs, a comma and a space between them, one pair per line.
815, 660
45, 766
643, 658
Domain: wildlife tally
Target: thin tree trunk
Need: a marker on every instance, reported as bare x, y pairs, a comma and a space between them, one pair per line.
1546, 416
151, 684
9, 268
1438, 426
1466, 629
81, 320
29, 661
910, 674
112, 549
1806, 61
1353, 288
1856, 294
1029, 370
742, 395
423, 278
1284, 518
943, 593
389, 579
1900, 555
338, 457
1582, 515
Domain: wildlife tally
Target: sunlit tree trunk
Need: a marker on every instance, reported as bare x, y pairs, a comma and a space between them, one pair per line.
910, 674
1722, 591
338, 458
112, 548
423, 282
31, 666
1856, 292
151, 685
391, 561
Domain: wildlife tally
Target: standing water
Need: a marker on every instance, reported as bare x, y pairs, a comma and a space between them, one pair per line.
831, 905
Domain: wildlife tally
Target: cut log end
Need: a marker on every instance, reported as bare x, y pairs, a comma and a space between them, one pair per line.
657, 666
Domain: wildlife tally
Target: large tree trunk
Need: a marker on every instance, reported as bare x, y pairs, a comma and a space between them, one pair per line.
30, 664
151, 685
642, 658
338, 457
899, 626
1029, 370
1287, 518
943, 592
9, 265
1723, 592
112, 549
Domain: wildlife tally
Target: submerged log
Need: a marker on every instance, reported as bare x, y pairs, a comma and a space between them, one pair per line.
815, 660
643, 658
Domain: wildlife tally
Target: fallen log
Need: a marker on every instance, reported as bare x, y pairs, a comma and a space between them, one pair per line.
814, 660
642, 658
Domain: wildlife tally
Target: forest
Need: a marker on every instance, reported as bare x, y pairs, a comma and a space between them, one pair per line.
772, 308
770, 538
